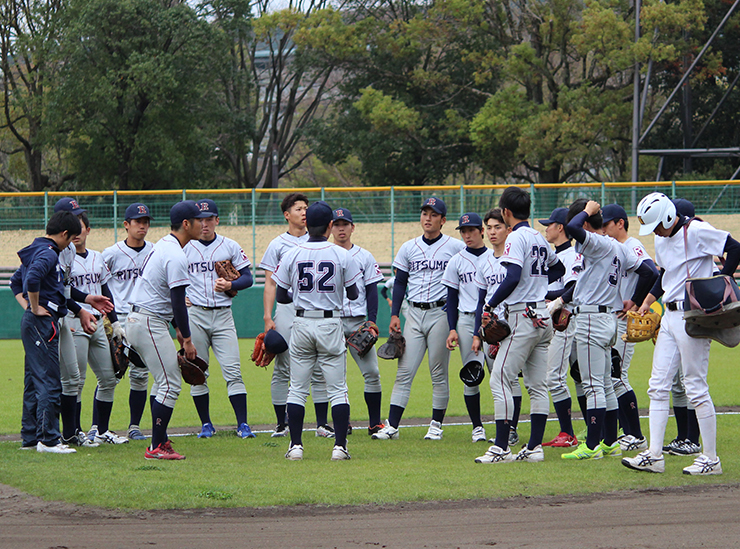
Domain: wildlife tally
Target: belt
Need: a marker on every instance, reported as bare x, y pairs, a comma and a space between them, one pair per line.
316, 314
142, 310
427, 306
517, 307
674, 306
585, 309
469, 314
212, 308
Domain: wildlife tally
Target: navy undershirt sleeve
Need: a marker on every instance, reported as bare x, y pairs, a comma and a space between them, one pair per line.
73, 306
479, 310
244, 281
453, 298
732, 258
657, 289
371, 294
575, 227
555, 272
399, 291
112, 316
282, 295
353, 292
180, 310
513, 275
648, 274
552, 295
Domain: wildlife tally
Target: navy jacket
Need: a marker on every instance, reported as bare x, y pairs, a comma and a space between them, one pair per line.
40, 272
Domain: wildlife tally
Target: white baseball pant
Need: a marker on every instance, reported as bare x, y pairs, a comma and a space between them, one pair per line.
95, 350
68, 369
595, 335
626, 352
368, 364
560, 355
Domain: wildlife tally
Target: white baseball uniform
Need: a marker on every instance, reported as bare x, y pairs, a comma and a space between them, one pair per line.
426, 321
211, 320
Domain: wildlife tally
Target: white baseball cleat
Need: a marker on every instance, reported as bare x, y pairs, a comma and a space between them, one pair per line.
109, 437
532, 456
294, 453
59, 448
479, 434
386, 433
326, 431
704, 465
434, 432
645, 461
339, 454
629, 443
494, 454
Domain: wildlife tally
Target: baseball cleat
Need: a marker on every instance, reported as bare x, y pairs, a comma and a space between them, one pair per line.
349, 429
244, 431
434, 432
563, 440
80, 439
584, 452
513, 437
494, 454
704, 465
532, 456
134, 433
163, 451
629, 443
280, 431
615, 450
207, 431
645, 461
686, 448
389, 432
479, 434
58, 448
109, 437
93, 432
326, 431
675, 443
295, 453
340, 454
374, 429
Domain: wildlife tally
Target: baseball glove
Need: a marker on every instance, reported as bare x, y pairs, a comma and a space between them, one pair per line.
193, 371
362, 340
641, 328
118, 356
497, 329
226, 270
561, 319
394, 347
261, 356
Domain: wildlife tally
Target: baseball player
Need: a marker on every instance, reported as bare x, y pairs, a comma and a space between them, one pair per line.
39, 287
294, 209
530, 266
420, 265
125, 260
595, 299
684, 249
355, 312
158, 299
462, 299
211, 321
317, 272
616, 225
91, 275
561, 353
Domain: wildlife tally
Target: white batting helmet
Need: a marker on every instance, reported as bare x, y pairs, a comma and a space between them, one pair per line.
655, 209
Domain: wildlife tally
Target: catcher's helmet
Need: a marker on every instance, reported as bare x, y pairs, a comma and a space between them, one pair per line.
653, 210
472, 373
275, 343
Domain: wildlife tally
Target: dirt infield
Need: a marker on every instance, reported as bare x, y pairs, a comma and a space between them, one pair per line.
375, 237
683, 517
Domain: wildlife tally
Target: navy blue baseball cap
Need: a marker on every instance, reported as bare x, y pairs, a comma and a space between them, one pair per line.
137, 211
558, 215
208, 206
343, 214
613, 212
274, 342
684, 207
436, 204
187, 209
470, 219
319, 214
68, 205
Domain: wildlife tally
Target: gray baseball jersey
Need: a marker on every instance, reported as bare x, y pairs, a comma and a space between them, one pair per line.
124, 264
426, 266
527, 248
201, 260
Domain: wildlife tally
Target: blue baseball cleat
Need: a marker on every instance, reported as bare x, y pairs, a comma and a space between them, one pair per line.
207, 431
244, 431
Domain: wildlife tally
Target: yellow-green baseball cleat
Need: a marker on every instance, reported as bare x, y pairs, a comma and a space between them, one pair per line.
584, 452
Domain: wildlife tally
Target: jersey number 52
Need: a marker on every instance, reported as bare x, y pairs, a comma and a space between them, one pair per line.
319, 276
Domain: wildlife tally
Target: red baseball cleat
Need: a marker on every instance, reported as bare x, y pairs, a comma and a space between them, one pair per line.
163, 451
563, 440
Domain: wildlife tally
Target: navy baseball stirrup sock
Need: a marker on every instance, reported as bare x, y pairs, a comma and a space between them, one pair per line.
201, 405
610, 427
322, 413
503, 427
340, 416
472, 403
682, 422
281, 413
632, 413
373, 401
582, 406
517, 411
692, 426
538, 430
68, 410
296, 413
595, 422
78, 414
394, 415
136, 405
562, 410
95, 418
438, 415
104, 411
239, 404
161, 415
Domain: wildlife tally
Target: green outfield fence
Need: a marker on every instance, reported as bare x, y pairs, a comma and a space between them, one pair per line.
368, 204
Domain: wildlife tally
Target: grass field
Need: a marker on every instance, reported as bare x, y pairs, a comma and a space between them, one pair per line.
227, 471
